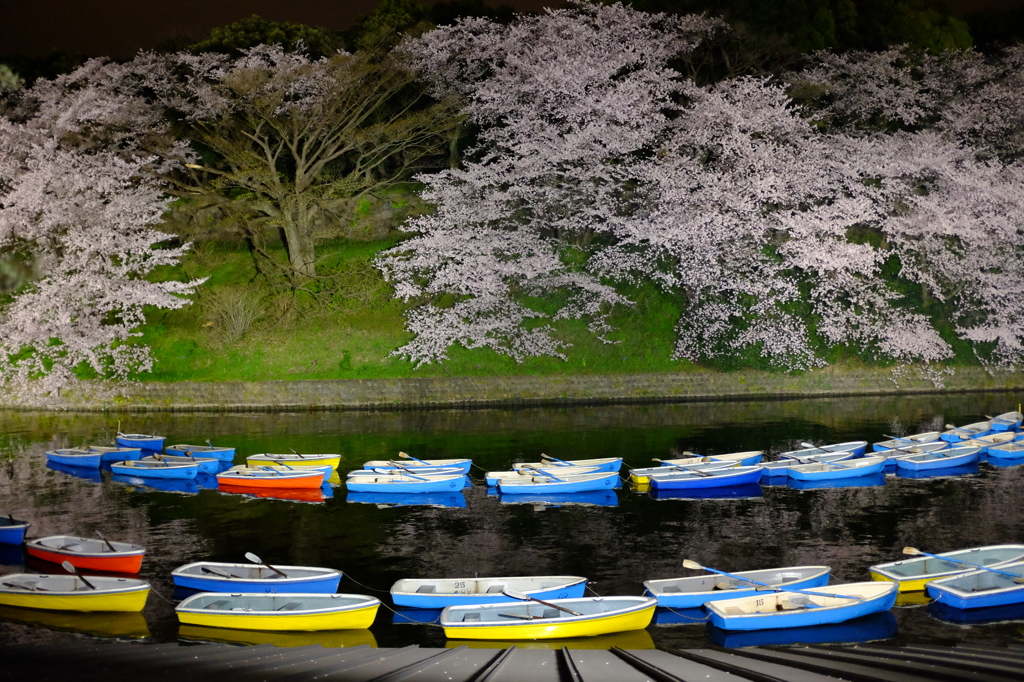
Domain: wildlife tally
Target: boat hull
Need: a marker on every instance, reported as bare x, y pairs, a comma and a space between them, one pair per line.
274, 480
12, 532
980, 589
388, 484
170, 471
422, 467
219, 454
117, 454
702, 589
344, 616
190, 576
722, 617
636, 616
603, 464
294, 460
85, 461
834, 471
714, 480
111, 594
939, 460
141, 441
575, 484
464, 592
55, 549
913, 575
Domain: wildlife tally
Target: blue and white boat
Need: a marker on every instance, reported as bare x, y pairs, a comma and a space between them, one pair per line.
541, 484
418, 466
828, 604
211, 576
981, 589
780, 467
603, 464
116, 453
855, 448
994, 438
834, 471
743, 459
12, 531
908, 441
441, 471
715, 478
641, 476
75, 457
1008, 421
942, 459
143, 441
145, 468
1014, 450
956, 434
206, 465
695, 591
219, 453
429, 593
493, 477
406, 483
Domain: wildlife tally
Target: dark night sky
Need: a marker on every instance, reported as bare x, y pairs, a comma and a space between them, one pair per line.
121, 27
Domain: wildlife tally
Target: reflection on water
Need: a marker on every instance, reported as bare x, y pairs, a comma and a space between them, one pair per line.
114, 624
748, 491
616, 540
869, 628
325, 638
456, 499
946, 472
634, 639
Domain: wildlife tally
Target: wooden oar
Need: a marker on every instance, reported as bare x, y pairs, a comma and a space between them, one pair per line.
913, 551
515, 594
256, 560
69, 567
106, 541
687, 563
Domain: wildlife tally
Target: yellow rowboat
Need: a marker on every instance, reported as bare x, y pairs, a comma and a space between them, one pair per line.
282, 612
122, 625
334, 639
294, 459
914, 574
588, 616
73, 593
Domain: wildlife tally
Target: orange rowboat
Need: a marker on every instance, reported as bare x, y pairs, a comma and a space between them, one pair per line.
97, 555
270, 478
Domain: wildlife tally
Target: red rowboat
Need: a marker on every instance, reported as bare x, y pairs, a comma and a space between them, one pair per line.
98, 555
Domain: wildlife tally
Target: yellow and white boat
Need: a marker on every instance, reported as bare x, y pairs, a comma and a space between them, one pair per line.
554, 619
914, 574
280, 612
294, 459
73, 593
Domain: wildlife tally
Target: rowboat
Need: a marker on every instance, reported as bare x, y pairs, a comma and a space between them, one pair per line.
981, 589
533, 485
493, 477
966, 432
855, 448
148, 468
12, 531
425, 471
210, 576
604, 464
994, 438
907, 441
292, 611
913, 574
116, 453
893, 453
206, 465
271, 478
73, 593
705, 479
99, 555
744, 459
780, 468
214, 451
943, 459
830, 471
75, 457
406, 483
827, 604
1007, 421
143, 441
421, 465
532, 620
325, 469
1014, 450
693, 592
640, 477
294, 460
428, 593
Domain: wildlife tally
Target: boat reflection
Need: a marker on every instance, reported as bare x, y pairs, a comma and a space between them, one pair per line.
12, 557
187, 486
1010, 613
288, 494
415, 616
860, 482
947, 472
633, 639
593, 498
1004, 463
869, 628
917, 598
451, 499
87, 473
116, 624
671, 617
206, 481
747, 491
324, 638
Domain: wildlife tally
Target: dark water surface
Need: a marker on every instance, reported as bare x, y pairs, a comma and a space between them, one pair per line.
617, 542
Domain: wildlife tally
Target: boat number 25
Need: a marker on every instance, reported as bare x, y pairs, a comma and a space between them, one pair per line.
460, 586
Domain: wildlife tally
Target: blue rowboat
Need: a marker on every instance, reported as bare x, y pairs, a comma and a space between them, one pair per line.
425, 471
450, 499
590, 498
872, 628
870, 481
430, 593
216, 452
641, 476
143, 441
966, 432
116, 453
146, 468
536, 485
75, 457
210, 576
942, 459
206, 465
419, 465
1014, 450
603, 464
493, 477
855, 448
834, 471
994, 438
715, 478
828, 604
12, 531
1008, 421
908, 441
950, 472
743, 459
780, 468
981, 589
747, 491
695, 591
405, 483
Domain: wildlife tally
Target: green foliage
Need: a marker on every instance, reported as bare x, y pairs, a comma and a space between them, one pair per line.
9, 80
241, 35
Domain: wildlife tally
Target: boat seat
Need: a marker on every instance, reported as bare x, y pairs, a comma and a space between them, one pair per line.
549, 613
471, 618
671, 589
495, 589
734, 611
290, 606
426, 589
219, 604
